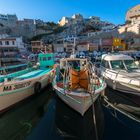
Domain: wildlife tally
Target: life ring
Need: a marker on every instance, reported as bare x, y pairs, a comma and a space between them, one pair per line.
37, 87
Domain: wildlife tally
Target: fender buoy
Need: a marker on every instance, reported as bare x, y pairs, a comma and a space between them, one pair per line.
114, 85
55, 66
98, 83
60, 84
37, 87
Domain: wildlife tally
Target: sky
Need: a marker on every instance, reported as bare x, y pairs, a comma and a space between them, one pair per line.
53, 10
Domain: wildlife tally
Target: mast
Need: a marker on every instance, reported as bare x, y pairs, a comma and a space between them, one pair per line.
73, 49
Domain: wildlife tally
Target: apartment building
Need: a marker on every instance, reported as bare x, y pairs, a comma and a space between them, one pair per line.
133, 14
8, 20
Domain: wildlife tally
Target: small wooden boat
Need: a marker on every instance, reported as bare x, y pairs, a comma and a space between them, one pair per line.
17, 86
77, 85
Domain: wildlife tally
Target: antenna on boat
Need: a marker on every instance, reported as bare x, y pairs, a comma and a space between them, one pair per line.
73, 50
0, 63
74, 46
45, 49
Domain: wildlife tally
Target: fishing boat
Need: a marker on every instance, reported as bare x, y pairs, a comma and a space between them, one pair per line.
121, 73
77, 84
13, 68
17, 86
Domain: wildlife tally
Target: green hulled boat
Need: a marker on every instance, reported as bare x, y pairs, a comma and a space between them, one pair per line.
19, 85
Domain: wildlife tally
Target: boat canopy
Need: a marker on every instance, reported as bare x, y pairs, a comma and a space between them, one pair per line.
73, 62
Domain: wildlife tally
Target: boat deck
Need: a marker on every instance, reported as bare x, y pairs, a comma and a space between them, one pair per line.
33, 74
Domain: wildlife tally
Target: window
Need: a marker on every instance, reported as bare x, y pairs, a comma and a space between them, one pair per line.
0, 42
13, 42
6, 42
44, 59
117, 64
130, 64
49, 58
105, 64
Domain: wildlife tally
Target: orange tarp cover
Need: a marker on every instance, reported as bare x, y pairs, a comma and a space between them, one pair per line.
79, 79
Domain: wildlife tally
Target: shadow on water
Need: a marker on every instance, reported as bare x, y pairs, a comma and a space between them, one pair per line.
71, 125
46, 117
18, 122
121, 118
61, 122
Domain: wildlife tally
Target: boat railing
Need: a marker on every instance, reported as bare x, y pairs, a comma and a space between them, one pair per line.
66, 77
92, 77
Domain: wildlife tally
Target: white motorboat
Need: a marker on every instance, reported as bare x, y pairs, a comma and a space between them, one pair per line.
77, 85
121, 73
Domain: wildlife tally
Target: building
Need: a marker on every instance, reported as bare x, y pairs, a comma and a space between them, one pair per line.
94, 19
86, 46
11, 48
25, 27
9, 44
108, 27
82, 46
58, 47
133, 14
89, 34
136, 42
133, 28
65, 21
76, 18
8, 20
37, 46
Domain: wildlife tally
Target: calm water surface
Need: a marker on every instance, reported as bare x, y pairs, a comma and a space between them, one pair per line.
46, 117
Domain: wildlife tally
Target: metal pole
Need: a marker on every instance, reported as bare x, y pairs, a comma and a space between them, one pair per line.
94, 116
93, 107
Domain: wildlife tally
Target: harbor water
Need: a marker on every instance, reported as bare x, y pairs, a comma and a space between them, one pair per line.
45, 117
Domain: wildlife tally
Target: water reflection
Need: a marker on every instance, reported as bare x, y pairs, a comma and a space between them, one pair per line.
61, 122
46, 117
124, 111
19, 121
71, 125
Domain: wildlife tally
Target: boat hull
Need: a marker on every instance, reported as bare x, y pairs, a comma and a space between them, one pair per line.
79, 103
123, 87
10, 98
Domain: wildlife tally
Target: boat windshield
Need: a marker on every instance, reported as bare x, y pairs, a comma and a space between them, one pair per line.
77, 64
74, 64
131, 65
117, 64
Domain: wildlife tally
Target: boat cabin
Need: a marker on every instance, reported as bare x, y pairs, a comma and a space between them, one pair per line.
76, 72
46, 60
118, 62
75, 63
